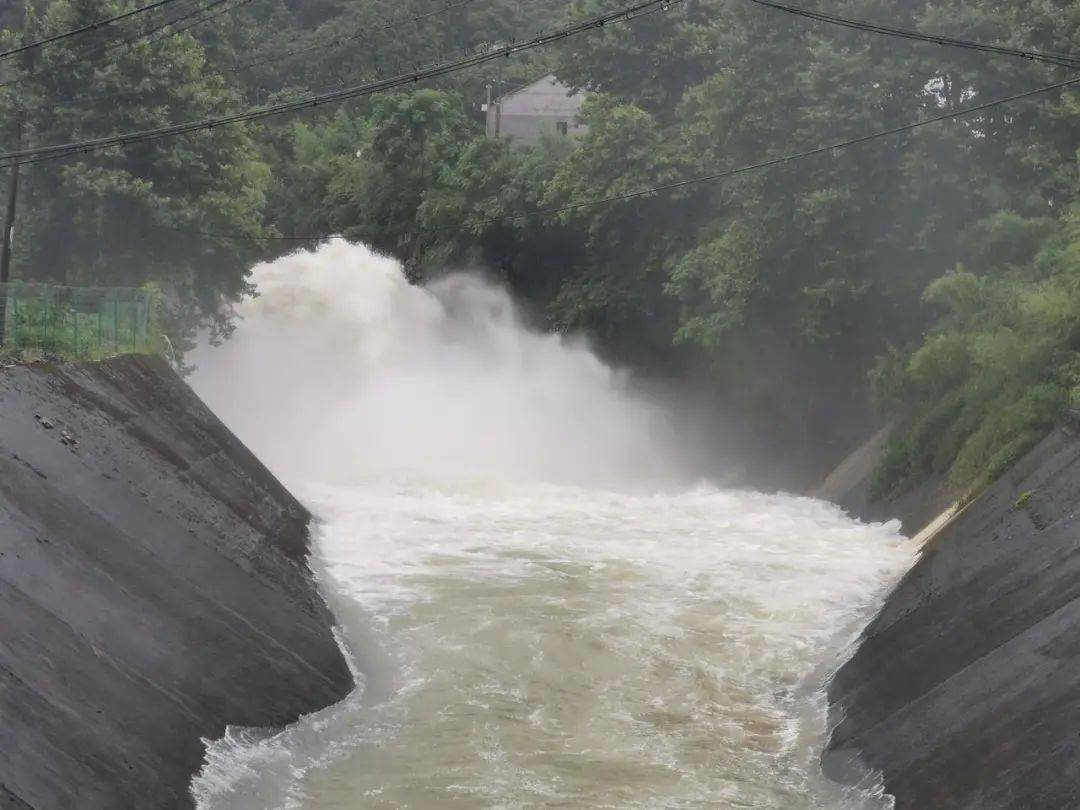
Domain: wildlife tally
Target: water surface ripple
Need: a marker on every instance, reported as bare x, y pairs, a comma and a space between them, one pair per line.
542, 614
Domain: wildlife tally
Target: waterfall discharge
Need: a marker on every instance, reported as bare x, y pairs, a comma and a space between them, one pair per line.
545, 608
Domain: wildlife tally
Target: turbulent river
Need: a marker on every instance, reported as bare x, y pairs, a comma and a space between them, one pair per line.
544, 606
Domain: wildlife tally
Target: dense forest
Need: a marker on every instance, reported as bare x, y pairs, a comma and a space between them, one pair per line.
930, 280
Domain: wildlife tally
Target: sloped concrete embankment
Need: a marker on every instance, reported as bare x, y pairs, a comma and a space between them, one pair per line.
153, 588
965, 691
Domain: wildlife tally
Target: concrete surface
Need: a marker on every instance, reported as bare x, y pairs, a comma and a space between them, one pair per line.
848, 486
965, 690
153, 589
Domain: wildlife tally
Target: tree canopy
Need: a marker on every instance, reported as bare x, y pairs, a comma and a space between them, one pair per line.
924, 279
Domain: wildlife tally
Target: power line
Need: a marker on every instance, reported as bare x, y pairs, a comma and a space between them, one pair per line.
777, 161
37, 154
45, 153
200, 15
94, 26
1063, 60
158, 33
795, 156
77, 102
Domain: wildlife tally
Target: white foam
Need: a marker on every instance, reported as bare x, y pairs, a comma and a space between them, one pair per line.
562, 618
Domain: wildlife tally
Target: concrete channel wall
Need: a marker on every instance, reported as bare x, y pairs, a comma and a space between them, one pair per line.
153, 589
964, 692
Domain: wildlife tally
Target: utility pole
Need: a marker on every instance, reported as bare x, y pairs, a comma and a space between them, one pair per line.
6, 243
9, 226
12, 202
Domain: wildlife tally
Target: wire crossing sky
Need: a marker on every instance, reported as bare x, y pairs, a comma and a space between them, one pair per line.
122, 140
645, 192
389, 25
94, 26
1064, 60
37, 154
168, 28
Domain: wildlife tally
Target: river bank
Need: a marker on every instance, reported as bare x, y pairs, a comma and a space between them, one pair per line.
154, 579
154, 586
964, 691
569, 615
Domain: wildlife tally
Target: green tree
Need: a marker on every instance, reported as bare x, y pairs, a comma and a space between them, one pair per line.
617, 291
410, 139
122, 216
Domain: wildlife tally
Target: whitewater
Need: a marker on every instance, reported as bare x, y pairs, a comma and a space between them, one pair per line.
543, 602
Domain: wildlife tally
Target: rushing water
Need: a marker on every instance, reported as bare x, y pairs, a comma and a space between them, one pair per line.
543, 608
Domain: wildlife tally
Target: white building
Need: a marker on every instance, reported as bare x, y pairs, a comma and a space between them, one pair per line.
530, 112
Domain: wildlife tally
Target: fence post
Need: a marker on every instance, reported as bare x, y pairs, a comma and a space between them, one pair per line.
148, 302
45, 313
38, 314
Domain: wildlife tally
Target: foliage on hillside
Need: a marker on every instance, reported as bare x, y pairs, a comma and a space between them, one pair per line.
932, 270
1000, 365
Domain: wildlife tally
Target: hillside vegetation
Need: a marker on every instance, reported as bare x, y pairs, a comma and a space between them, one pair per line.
929, 278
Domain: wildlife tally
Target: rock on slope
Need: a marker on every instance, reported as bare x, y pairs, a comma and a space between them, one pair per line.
965, 690
153, 588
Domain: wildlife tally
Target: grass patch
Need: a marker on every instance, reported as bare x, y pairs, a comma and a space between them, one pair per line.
43, 322
1024, 499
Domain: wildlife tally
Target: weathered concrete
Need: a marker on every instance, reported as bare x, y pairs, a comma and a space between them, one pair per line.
152, 587
849, 486
965, 690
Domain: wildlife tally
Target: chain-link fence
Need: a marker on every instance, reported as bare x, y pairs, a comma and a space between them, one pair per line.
78, 322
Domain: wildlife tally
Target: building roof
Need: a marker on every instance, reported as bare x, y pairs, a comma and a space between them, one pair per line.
544, 97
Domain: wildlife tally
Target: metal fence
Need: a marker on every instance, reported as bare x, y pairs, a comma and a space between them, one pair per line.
77, 322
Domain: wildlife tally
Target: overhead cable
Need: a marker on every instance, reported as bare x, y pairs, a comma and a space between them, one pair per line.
94, 26
1064, 60
80, 100
796, 156
764, 164
37, 154
165, 30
